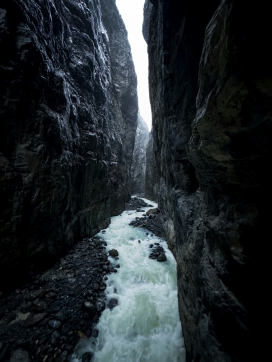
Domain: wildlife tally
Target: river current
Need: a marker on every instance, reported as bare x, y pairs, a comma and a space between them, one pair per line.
145, 325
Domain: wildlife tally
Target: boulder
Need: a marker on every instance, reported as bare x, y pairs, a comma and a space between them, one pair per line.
113, 252
20, 356
90, 308
87, 356
162, 257
152, 211
112, 303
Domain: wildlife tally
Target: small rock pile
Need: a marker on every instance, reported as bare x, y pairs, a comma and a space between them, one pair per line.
157, 252
152, 220
136, 203
45, 319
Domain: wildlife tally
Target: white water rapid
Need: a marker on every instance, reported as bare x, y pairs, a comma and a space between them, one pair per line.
145, 325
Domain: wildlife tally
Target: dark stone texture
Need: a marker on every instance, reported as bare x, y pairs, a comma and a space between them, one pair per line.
152, 220
146, 21
19, 356
151, 175
210, 82
68, 117
72, 307
87, 357
138, 167
122, 106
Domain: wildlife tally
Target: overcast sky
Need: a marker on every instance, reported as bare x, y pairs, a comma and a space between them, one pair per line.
132, 14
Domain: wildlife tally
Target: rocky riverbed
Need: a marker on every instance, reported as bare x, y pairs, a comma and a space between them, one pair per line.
45, 319
144, 292
151, 220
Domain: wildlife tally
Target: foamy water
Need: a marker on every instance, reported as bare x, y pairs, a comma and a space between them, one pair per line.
145, 325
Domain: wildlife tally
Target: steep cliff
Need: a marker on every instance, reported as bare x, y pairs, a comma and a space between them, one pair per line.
68, 117
122, 107
151, 174
210, 82
138, 167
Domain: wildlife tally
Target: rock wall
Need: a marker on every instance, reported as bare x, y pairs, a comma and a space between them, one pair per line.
210, 82
122, 106
151, 175
68, 117
138, 167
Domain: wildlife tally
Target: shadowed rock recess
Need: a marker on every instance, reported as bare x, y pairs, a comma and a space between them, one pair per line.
68, 117
138, 167
210, 79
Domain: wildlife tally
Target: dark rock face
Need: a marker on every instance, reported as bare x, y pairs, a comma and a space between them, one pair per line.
122, 106
151, 177
138, 167
68, 116
146, 21
210, 82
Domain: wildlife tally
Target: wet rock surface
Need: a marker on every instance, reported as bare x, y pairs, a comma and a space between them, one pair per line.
151, 220
68, 117
152, 176
136, 203
210, 90
45, 319
157, 253
138, 166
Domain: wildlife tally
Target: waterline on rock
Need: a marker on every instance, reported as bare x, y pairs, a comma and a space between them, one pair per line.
145, 324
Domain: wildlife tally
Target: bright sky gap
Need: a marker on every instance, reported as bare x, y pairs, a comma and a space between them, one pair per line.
132, 14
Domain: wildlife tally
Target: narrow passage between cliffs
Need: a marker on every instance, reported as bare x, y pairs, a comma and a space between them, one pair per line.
141, 322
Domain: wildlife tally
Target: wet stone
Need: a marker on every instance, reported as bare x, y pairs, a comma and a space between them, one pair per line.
51, 295
35, 319
20, 356
112, 303
139, 210
162, 257
87, 357
90, 308
103, 286
39, 305
96, 286
54, 313
55, 337
59, 316
100, 306
95, 333
26, 307
54, 323
113, 252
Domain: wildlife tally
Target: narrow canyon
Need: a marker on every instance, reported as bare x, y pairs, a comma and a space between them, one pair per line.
74, 149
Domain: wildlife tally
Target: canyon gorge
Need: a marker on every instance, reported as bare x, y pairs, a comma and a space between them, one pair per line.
68, 120
72, 150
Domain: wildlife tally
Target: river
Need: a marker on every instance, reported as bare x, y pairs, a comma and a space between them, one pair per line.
145, 325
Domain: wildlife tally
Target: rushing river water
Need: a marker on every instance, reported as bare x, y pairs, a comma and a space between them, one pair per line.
145, 325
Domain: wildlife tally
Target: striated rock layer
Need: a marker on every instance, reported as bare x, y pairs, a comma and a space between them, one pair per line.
210, 82
68, 117
151, 175
138, 167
